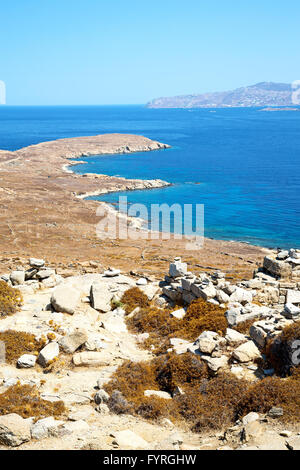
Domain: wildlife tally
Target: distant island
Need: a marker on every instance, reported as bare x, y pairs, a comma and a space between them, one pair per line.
262, 94
279, 109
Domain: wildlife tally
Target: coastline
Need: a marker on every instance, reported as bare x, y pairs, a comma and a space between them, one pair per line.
45, 213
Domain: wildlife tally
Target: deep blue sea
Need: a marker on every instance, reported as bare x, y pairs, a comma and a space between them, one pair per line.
246, 161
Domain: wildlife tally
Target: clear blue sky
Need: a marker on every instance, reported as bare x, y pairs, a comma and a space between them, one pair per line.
130, 51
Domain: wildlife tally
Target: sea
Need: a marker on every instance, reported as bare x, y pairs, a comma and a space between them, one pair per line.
242, 165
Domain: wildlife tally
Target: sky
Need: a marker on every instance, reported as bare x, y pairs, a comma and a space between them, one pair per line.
93, 52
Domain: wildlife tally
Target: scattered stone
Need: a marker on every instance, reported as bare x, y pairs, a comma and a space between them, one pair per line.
70, 343
234, 338
242, 296
286, 433
246, 352
128, 439
250, 417
112, 272
101, 397
92, 359
179, 314
158, 394
141, 282
65, 299
14, 430
36, 263
26, 361
45, 427
17, 277
275, 412
215, 363
177, 269
100, 298
48, 353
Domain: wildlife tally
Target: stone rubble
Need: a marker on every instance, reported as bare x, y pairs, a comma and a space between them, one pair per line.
75, 314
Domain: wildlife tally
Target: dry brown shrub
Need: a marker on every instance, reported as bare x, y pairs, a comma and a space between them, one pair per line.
212, 404
133, 298
174, 371
18, 343
25, 401
161, 326
244, 326
10, 299
273, 391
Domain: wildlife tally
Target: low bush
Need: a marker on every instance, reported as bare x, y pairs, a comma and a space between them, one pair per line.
18, 343
133, 298
25, 401
161, 326
10, 299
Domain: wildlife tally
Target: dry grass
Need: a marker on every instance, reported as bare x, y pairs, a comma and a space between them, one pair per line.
205, 402
244, 326
161, 326
133, 298
25, 401
10, 299
18, 343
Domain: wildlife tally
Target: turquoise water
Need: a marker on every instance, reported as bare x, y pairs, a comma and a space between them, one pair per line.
246, 161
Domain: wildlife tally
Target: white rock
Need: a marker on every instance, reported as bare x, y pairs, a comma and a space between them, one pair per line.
141, 282
291, 310
247, 352
26, 361
158, 394
293, 297
234, 338
45, 273
112, 272
215, 363
114, 323
241, 295
14, 430
76, 427
177, 269
100, 297
207, 341
48, 353
127, 438
45, 427
36, 263
249, 418
65, 299
73, 341
179, 314
92, 359
222, 297
17, 277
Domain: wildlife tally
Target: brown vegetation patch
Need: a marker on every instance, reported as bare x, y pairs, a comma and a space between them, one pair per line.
202, 401
25, 401
10, 299
18, 343
133, 298
244, 326
161, 326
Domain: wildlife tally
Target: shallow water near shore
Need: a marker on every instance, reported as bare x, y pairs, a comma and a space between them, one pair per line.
246, 161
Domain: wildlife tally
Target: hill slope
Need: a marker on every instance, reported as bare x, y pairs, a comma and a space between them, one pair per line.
261, 94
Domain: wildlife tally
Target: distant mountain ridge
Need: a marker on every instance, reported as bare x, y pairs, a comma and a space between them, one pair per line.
261, 94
